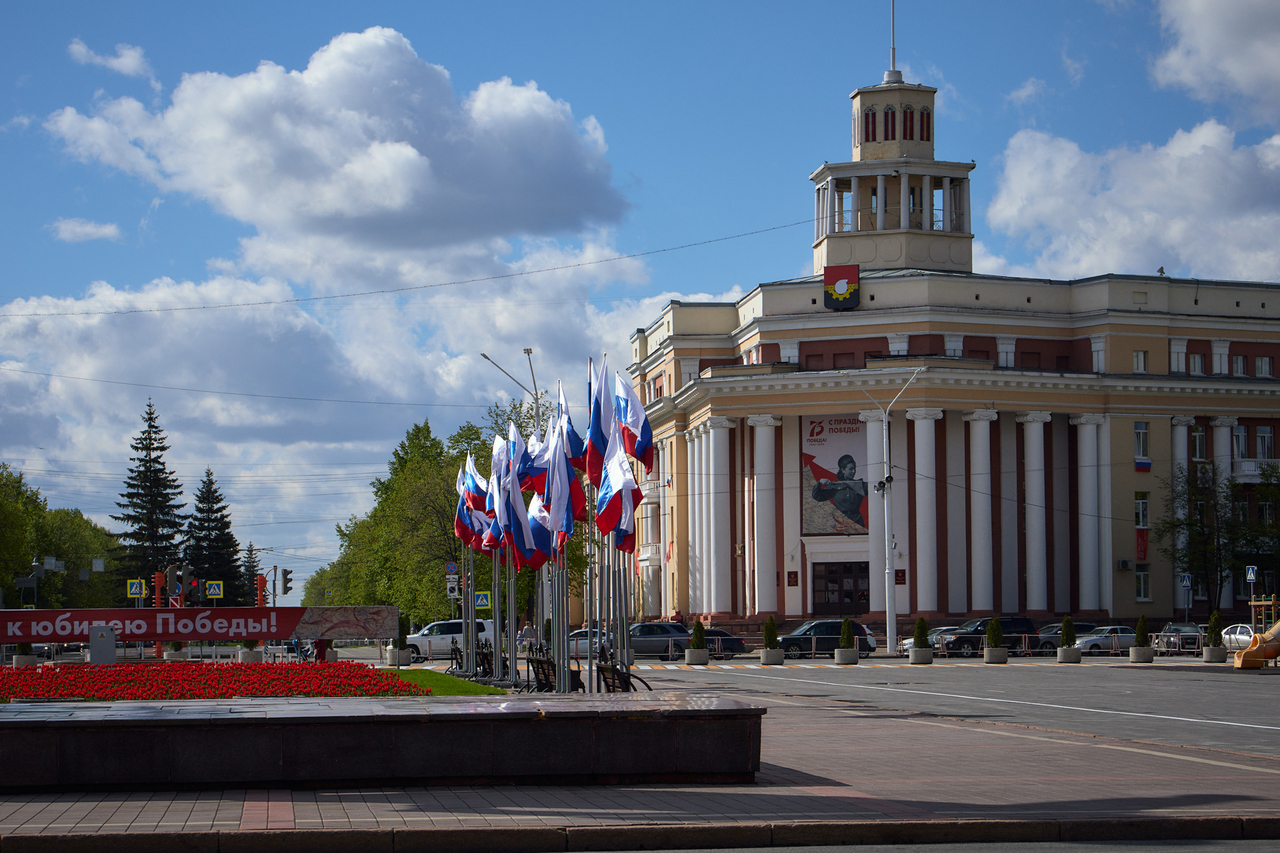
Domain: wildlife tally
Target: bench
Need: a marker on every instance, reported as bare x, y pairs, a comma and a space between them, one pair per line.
616, 680
544, 676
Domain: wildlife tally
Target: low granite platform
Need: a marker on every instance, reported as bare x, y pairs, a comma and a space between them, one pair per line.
301, 743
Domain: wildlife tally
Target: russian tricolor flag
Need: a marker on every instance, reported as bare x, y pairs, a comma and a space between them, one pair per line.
636, 434
597, 445
619, 496
474, 490
574, 447
540, 527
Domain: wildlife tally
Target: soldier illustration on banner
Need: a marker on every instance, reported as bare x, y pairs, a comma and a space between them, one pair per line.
834, 492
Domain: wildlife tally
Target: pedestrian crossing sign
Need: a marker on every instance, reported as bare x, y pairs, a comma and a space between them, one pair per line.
482, 600
135, 588
213, 589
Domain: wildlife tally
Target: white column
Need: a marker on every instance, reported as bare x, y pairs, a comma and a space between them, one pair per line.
981, 551
1033, 470
966, 228
720, 552
704, 513
857, 200
926, 508
875, 505
1006, 348
1098, 349
953, 344
1222, 428
1087, 509
1181, 450
899, 342
764, 522
927, 197
831, 206
879, 202
946, 204
904, 200
662, 454
1221, 357
693, 494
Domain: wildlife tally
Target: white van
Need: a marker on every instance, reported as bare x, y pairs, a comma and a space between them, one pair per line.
434, 641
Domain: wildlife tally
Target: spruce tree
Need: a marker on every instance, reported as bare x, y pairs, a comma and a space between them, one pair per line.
150, 504
249, 568
210, 549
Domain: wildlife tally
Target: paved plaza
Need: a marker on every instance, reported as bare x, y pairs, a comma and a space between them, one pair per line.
881, 742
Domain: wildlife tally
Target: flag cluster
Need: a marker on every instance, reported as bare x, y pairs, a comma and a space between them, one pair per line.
492, 514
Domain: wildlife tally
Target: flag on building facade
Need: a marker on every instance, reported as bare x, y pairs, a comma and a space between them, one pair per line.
637, 436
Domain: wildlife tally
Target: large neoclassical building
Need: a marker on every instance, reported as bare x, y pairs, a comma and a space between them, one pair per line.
1036, 422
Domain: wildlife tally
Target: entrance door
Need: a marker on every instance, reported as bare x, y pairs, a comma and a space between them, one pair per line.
841, 589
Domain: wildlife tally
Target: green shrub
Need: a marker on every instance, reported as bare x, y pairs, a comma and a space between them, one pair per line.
402, 639
1144, 637
175, 646
1068, 633
1215, 630
23, 649
995, 636
848, 640
698, 639
921, 638
770, 633
249, 644
546, 630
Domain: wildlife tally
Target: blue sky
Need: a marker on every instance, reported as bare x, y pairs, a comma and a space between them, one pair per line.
148, 160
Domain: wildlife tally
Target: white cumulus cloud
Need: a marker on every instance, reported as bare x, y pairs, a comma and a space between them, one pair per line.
1179, 205
79, 230
128, 60
1027, 92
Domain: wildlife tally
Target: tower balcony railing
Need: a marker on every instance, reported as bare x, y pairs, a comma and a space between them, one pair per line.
649, 553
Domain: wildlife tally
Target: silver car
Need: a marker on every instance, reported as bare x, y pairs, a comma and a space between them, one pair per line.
1237, 637
1108, 638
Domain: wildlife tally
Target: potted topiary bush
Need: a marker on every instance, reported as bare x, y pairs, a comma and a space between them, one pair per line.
398, 651
177, 651
1142, 651
771, 654
920, 651
696, 654
995, 652
1214, 650
24, 655
1067, 651
249, 652
847, 649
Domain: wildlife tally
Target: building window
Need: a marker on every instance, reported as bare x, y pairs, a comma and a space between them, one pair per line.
1199, 443
1141, 505
1266, 442
1262, 366
908, 123
1030, 360
1142, 581
1237, 365
1195, 363
1266, 512
1141, 440
1139, 361
1242, 512
1239, 441
926, 125
890, 124
869, 126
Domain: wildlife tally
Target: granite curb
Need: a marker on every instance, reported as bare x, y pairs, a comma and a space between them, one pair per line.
543, 839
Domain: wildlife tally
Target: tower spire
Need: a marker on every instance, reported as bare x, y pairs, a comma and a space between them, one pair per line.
893, 75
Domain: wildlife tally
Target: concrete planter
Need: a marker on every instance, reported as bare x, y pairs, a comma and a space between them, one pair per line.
1215, 654
399, 657
845, 657
697, 657
1069, 655
20, 661
771, 657
1000, 655
331, 656
249, 656
1142, 654
915, 655
182, 655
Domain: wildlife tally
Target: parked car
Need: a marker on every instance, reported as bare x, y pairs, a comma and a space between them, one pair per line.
722, 644
1104, 639
1054, 630
667, 640
1237, 637
1178, 637
584, 643
1019, 633
821, 636
435, 640
908, 641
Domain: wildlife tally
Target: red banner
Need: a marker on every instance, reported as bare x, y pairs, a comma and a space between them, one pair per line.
1142, 542
197, 624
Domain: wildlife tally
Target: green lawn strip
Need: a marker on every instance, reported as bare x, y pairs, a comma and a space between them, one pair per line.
444, 685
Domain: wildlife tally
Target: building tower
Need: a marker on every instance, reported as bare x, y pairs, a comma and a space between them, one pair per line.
893, 206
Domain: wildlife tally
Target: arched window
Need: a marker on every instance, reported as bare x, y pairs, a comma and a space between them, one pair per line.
908, 123
869, 125
890, 124
926, 125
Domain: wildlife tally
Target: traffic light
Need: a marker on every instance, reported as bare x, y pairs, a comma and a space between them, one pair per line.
286, 581
158, 589
191, 590
261, 582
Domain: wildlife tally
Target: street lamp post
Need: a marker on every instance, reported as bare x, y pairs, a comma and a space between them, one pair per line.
884, 487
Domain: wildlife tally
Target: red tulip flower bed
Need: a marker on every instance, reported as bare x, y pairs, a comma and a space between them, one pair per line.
188, 680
